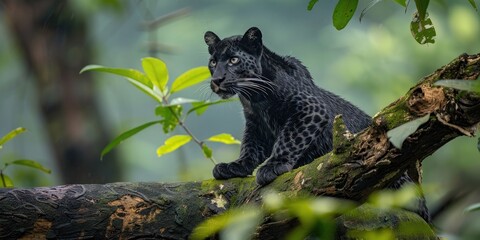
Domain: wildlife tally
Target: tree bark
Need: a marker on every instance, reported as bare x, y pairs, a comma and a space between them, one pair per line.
358, 165
53, 42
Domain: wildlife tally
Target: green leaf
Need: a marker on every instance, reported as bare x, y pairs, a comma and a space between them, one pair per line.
465, 85
149, 91
474, 5
311, 4
224, 138
422, 29
398, 135
30, 163
422, 6
124, 136
170, 116
173, 143
9, 136
6, 181
238, 223
370, 5
129, 73
401, 2
207, 152
190, 78
343, 12
473, 207
156, 71
402, 197
179, 101
200, 107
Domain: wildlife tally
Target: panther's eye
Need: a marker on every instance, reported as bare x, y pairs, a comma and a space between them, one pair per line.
233, 60
213, 63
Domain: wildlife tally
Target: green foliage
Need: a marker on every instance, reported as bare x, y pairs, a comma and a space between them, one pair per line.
421, 25
402, 197
465, 85
473, 207
153, 82
5, 180
398, 135
343, 12
316, 216
422, 29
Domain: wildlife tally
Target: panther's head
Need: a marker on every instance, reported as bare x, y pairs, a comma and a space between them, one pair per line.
235, 64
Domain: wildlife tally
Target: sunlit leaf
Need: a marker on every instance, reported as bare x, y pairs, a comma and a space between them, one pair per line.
170, 116
224, 138
6, 181
474, 4
401, 2
200, 107
30, 163
398, 135
156, 70
124, 136
473, 208
343, 12
239, 223
173, 143
422, 6
190, 78
422, 29
465, 85
402, 197
178, 101
9, 136
149, 91
124, 72
370, 5
207, 152
311, 4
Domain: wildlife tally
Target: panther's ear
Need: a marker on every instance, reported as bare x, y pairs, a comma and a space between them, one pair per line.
211, 39
252, 39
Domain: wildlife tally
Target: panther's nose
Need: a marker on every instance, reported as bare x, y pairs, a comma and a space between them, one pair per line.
215, 83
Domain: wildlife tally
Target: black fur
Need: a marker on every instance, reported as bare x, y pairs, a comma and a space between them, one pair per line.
288, 118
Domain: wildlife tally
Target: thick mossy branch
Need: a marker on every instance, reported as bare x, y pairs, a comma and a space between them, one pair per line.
358, 165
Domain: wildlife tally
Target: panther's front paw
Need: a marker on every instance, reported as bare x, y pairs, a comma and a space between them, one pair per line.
229, 170
267, 173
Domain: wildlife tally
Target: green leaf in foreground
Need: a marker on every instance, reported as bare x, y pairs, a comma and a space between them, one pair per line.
9, 136
311, 4
156, 70
473, 208
474, 4
200, 107
30, 163
207, 152
465, 85
124, 136
180, 100
422, 29
6, 181
170, 116
401, 2
190, 78
422, 6
370, 5
129, 73
239, 223
173, 143
224, 138
343, 12
398, 135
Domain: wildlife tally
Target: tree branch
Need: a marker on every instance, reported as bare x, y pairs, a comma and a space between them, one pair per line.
356, 167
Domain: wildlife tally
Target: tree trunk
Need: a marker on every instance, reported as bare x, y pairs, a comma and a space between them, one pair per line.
53, 41
356, 167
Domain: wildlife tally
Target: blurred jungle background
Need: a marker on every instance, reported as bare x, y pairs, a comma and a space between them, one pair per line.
71, 117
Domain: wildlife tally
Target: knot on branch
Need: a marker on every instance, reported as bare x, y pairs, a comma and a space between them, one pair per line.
425, 99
